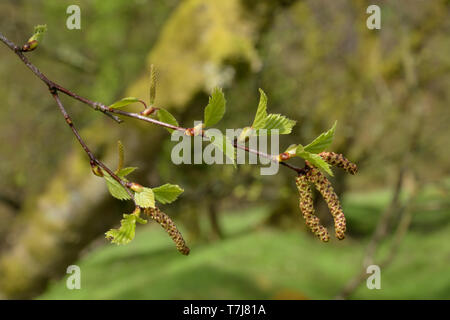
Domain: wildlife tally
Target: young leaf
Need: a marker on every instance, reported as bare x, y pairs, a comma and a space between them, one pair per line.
224, 145
322, 142
292, 149
115, 188
167, 193
167, 117
215, 109
34, 40
39, 31
126, 232
122, 173
152, 84
314, 159
278, 122
261, 113
124, 102
145, 198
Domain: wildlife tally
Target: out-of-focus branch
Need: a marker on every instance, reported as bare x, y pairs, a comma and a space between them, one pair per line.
10, 202
405, 217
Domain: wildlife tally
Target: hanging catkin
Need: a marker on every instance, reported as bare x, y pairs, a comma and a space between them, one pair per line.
307, 209
168, 225
324, 186
338, 160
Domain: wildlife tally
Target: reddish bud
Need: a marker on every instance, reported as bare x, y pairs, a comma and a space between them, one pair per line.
148, 111
30, 46
136, 187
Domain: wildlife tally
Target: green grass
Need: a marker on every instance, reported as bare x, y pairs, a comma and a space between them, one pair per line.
265, 263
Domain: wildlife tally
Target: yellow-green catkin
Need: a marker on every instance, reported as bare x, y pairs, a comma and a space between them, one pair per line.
338, 160
307, 209
325, 188
164, 220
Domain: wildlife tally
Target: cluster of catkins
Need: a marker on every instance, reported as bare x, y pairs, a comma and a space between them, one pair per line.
313, 176
164, 221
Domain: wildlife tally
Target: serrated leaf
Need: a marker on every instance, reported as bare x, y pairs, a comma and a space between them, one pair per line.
152, 84
122, 173
314, 159
322, 142
215, 109
278, 122
167, 193
167, 117
124, 102
261, 113
126, 232
224, 145
145, 198
115, 188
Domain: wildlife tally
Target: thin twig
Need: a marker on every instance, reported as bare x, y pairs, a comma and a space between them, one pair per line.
91, 156
110, 112
47, 81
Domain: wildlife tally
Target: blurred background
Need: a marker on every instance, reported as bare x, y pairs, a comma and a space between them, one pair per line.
317, 61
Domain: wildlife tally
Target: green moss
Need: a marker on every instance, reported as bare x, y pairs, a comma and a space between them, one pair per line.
200, 36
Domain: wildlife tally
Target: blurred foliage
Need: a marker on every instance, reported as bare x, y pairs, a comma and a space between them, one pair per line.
265, 263
97, 61
317, 62
191, 59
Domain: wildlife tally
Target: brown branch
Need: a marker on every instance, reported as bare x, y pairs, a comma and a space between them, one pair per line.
51, 85
91, 156
405, 213
110, 112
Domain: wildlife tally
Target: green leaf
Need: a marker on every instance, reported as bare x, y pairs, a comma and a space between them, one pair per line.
261, 113
167, 117
278, 122
115, 188
124, 102
292, 149
167, 193
122, 173
152, 84
145, 198
322, 142
126, 232
224, 145
215, 109
39, 31
314, 159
